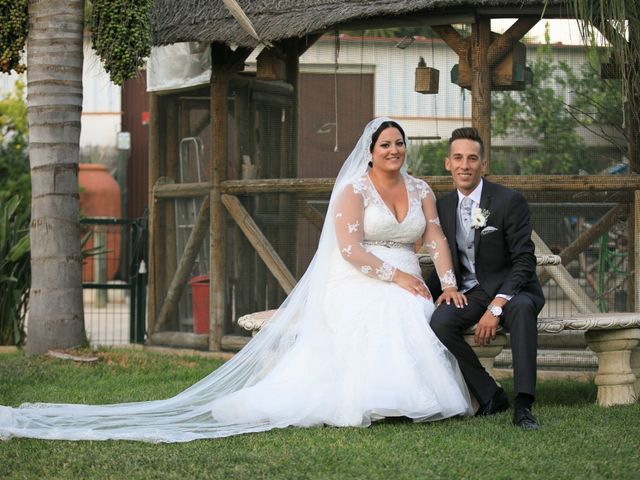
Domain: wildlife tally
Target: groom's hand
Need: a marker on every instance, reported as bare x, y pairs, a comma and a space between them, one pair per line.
486, 329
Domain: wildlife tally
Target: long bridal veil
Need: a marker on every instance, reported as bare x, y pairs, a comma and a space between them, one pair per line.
188, 415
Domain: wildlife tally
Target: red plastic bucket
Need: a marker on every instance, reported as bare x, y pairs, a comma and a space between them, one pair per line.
200, 303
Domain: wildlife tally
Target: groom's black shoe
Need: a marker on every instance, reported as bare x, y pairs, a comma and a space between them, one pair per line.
523, 418
497, 404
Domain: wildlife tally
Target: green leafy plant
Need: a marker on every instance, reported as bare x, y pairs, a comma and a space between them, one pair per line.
15, 270
13, 34
14, 161
120, 34
549, 112
428, 158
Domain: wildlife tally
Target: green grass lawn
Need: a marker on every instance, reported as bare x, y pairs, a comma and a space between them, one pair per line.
577, 438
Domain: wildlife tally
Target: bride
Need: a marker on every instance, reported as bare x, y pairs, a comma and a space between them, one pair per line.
350, 345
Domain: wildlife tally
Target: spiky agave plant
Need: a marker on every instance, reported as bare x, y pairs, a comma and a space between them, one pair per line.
15, 272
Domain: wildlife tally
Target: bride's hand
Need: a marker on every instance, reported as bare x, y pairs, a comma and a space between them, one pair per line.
412, 284
451, 294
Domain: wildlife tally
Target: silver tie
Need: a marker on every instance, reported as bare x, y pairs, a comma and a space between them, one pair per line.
465, 212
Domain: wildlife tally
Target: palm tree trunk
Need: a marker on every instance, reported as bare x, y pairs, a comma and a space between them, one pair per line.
54, 102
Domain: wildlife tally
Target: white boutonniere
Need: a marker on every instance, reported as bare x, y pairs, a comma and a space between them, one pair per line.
479, 218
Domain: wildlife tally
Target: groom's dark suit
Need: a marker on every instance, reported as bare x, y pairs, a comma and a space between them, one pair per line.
504, 264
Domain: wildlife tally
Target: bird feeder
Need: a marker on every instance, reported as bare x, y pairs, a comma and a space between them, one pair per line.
510, 74
271, 65
427, 78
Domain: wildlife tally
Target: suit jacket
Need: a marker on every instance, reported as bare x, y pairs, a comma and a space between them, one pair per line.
505, 257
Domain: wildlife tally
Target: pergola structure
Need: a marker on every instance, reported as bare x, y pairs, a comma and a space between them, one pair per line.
288, 28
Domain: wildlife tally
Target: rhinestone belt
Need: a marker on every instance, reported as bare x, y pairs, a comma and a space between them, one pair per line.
387, 243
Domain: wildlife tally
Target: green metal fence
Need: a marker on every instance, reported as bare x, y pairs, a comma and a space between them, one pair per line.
115, 280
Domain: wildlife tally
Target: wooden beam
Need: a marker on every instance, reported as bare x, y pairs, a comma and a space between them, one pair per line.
200, 125
261, 244
185, 265
314, 216
502, 45
439, 184
585, 239
453, 39
412, 19
565, 281
481, 83
196, 341
234, 343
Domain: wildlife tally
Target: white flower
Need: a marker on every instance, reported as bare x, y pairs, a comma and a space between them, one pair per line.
479, 218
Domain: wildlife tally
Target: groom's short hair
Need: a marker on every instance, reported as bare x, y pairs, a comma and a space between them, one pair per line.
467, 133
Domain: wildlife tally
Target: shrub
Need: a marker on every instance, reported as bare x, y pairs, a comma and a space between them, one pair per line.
15, 270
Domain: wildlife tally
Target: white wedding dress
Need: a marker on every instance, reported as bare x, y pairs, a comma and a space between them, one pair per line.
346, 348
375, 355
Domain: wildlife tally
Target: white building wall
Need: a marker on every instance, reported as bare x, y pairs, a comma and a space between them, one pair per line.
101, 111
100, 104
394, 79
430, 115
394, 69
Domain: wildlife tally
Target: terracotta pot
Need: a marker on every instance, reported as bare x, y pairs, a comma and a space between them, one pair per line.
100, 197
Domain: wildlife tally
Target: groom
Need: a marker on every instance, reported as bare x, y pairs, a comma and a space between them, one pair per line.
489, 234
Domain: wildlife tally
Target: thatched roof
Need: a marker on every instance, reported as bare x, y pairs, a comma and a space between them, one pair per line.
210, 21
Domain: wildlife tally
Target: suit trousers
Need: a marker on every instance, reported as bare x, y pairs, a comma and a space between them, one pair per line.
519, 318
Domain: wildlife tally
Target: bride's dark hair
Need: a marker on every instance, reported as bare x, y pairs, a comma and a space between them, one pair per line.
384, 126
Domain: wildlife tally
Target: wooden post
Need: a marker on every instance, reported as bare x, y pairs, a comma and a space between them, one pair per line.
481, 82
633, 130
219, 91
168, 219
224, 62
154, 240
634, 253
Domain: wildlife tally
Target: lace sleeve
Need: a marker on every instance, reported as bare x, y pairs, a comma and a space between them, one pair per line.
349, 219
434, 239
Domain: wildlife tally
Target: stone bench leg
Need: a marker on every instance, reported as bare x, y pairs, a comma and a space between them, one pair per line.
635, 368
615, 378
487, 354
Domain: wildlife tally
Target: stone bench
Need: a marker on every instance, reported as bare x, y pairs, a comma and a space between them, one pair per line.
614, 337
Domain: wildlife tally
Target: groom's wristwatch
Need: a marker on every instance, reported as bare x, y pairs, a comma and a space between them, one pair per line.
495, 310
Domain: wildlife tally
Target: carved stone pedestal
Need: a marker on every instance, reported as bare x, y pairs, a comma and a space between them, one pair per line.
615, 379
635, 368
